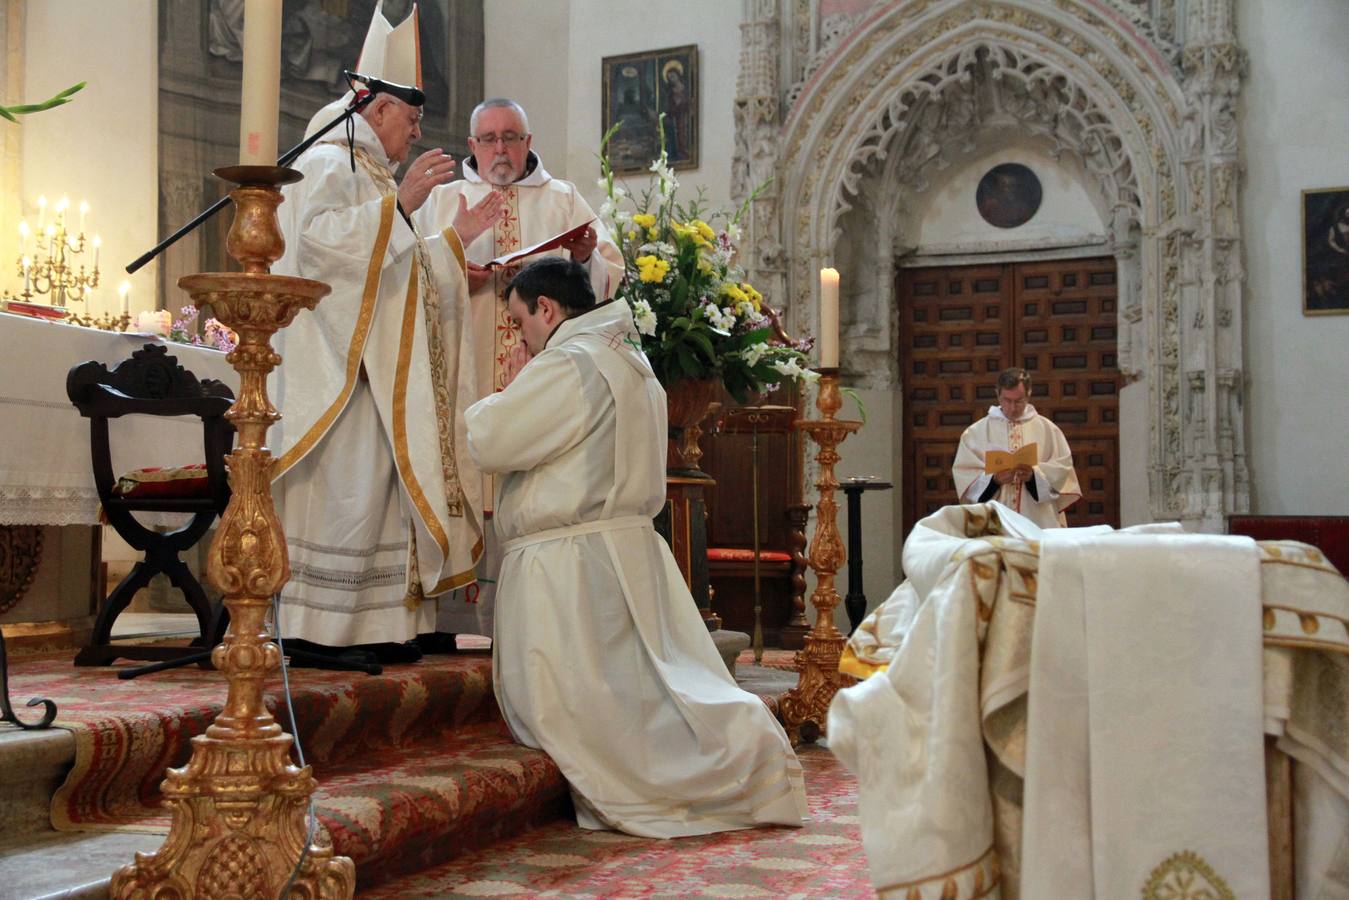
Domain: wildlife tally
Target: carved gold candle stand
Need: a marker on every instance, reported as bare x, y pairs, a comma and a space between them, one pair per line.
239, 806
805, 707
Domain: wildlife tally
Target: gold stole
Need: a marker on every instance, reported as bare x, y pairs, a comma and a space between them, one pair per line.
506, 238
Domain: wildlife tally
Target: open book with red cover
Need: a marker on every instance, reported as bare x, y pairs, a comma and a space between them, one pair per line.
551, 243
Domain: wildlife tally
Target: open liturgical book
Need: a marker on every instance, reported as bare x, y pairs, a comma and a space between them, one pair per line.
551, 243
996, 461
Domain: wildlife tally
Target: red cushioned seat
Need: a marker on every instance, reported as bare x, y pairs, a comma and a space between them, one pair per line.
736, 554
177, 482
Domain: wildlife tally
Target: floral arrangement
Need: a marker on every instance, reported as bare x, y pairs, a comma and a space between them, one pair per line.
698, 316
183, 329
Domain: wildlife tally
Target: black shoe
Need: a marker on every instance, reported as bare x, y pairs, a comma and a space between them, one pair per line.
437, 643
391, 654
308, 655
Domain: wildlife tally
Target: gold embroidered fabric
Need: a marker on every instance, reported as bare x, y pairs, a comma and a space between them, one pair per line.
1306, 624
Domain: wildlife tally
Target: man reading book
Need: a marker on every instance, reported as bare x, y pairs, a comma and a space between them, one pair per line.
1018, 457
518, 204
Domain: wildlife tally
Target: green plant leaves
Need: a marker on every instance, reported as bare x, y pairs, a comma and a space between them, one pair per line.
23, 109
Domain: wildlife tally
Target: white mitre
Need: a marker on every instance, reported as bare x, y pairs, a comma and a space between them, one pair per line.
389, 53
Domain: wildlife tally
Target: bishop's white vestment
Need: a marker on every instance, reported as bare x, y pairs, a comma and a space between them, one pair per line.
1055, 480
599, 655
376, 492
536, 208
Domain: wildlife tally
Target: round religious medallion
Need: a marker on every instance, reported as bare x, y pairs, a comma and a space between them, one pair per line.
1008, 195
20, 554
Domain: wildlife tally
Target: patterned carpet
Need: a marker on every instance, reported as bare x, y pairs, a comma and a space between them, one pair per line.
772, 659
823, 859
128, 732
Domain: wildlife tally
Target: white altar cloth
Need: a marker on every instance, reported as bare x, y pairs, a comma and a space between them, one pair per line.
46, 475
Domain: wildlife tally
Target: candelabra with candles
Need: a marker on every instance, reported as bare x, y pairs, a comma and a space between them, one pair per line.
805, 708
52, 272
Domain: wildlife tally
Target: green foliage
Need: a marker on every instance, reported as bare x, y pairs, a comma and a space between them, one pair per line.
698, 316
23, 109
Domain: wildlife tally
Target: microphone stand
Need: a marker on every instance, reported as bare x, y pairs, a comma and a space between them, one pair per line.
363, 99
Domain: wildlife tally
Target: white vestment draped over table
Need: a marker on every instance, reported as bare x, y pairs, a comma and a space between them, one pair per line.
940, 737
1144, 732
599, 655
537, 207
1055, 480
377, 494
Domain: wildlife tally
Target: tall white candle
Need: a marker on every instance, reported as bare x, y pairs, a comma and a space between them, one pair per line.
84, 209
26, 263
829, 318
125, 293
98, 242
261, 97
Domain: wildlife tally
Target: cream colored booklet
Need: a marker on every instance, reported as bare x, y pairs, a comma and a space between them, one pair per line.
996, 461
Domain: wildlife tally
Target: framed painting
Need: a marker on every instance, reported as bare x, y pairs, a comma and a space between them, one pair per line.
1325, 251
638, 88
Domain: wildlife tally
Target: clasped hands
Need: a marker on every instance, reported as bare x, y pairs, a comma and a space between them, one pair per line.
1018, 475
516, 359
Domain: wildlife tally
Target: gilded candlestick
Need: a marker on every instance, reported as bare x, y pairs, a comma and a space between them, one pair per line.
239, 806
805, 708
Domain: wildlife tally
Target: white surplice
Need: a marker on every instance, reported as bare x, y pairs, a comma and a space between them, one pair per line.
537, 207
599, 655
1055, 479
376, 491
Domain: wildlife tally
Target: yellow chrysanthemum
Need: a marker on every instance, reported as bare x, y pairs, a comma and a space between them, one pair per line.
645, 220
704, 229
652, 268
734, 294
754, 296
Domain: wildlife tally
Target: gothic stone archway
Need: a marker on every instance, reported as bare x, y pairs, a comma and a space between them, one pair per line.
1152, 123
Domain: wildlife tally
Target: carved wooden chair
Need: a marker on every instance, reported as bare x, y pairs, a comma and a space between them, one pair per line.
153, 383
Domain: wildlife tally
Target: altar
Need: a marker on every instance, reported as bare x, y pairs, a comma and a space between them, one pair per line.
50, 544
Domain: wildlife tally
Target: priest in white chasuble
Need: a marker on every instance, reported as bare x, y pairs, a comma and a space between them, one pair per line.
505, 182
377, 494
1040, 492
600, 657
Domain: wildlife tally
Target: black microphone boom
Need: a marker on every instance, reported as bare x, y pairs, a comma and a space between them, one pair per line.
410, 95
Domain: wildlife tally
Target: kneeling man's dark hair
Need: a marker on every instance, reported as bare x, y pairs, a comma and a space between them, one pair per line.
558, 279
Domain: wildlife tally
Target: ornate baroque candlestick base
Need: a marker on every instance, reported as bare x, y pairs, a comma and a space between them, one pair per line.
805, 707
239, 805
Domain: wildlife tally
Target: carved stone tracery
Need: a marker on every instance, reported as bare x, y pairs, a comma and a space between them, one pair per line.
1143, 101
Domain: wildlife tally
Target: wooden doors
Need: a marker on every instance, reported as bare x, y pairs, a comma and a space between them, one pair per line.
961, 326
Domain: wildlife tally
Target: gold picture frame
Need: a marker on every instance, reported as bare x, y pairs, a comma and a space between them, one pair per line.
1325, 251
638, 88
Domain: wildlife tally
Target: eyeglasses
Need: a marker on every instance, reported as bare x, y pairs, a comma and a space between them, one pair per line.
509, 139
